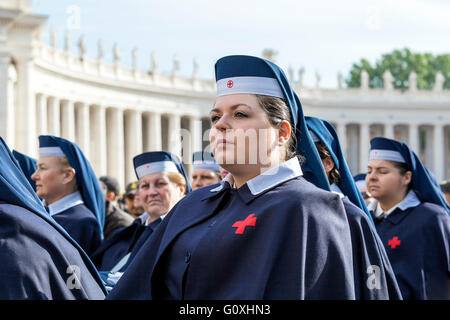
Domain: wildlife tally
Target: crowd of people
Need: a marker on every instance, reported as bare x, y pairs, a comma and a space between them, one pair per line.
276, 214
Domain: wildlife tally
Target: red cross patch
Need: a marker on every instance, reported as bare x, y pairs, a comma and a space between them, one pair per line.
230, 84
394, 242
147, 166
250, 221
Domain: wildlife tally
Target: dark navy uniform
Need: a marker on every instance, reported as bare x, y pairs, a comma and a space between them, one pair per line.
276, 237
39, 260
373, 273
122, 242
81, 224
415, 232
417, 242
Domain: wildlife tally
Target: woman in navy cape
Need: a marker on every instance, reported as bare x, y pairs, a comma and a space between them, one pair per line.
262, 233
374, 277
39, 260
125, 242
83, 217
411, 218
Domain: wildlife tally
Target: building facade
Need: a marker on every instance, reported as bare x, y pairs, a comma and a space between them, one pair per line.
114, 112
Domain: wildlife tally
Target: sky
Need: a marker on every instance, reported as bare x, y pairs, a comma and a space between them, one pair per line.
321, 36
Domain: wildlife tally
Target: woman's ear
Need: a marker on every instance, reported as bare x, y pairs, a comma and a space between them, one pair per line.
284, 132
182, 190
328, 164
69, 175
407, 177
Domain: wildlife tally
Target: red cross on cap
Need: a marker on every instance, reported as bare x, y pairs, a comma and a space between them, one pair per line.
230, 84
147, 166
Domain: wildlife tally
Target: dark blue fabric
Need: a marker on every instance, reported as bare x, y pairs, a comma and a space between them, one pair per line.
113, 249
241, 65
86, 179
156, 156
329, 138
420, 255
81, 225
35, 251
369, 255
360, 177
423, 181
281, 257
148, 231
28, 166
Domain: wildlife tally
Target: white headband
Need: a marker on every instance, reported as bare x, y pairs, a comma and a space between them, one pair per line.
51, 152
152, 167
251, 85
390, 155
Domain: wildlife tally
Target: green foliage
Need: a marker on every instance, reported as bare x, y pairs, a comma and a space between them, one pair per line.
401, 63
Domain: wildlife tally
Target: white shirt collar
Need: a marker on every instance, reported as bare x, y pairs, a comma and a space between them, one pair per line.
269, 179
411, 200
65, 203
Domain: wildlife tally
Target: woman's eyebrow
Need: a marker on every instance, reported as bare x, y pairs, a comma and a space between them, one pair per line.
233, 107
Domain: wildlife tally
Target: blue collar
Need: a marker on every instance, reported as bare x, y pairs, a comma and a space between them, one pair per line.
335, 189
410, 201
269, 179
65, 203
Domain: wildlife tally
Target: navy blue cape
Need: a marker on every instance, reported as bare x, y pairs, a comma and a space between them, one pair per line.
39, 258
282, 257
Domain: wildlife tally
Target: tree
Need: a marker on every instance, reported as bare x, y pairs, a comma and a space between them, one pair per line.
401, 63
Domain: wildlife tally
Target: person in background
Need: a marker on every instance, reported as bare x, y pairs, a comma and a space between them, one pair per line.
71, 191
371, 283
162, 182
39, 259
206, 170
115, 218
445, 187
360, 180
132, 204
411, 218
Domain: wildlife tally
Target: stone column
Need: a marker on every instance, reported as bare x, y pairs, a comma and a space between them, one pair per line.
83, 137
133, 142
174, 132
438, 151
41, 110
115, 145
414, 137
26, 139
98, 137
7, 128
153, 134
54, 118
389, 130
342, 135
68, 120
364, 146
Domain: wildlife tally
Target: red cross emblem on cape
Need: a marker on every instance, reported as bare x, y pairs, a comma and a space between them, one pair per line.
230, 84
394, 242
250, 221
